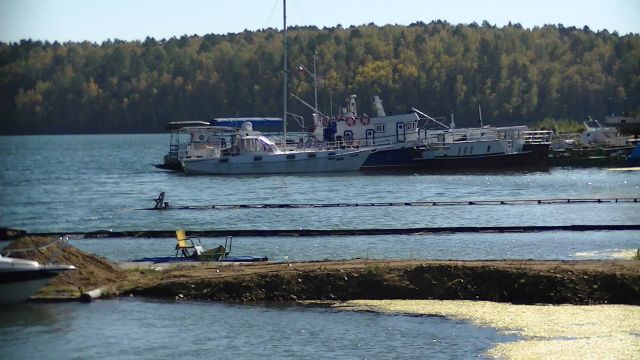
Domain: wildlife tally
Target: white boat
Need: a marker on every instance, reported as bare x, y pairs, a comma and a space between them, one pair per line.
248, 152
596, 134
20, 278
485, 148
230, 151
180, 134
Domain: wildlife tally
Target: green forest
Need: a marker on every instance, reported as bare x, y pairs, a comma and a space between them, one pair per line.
516, 75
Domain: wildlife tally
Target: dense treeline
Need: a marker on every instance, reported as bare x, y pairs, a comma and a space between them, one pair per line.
517, 75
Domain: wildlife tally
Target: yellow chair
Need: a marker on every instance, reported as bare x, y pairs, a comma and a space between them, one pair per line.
186, 245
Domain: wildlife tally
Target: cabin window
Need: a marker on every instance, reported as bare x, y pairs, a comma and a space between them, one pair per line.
311, 155
257, 158
381, 128
488, 148
459, 150
224, 160
465, 150
291, 156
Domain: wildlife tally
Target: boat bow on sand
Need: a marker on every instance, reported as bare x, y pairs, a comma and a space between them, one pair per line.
20, 278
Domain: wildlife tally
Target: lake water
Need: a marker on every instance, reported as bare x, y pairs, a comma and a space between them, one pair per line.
132, 329
89, 182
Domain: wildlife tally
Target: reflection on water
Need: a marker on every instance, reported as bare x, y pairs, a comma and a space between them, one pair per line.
19, 315
549, 331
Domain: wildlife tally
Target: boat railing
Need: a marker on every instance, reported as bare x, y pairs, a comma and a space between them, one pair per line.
198, 150
537, 136
375, 142
341, 144
459, 135
436, 146
434, 143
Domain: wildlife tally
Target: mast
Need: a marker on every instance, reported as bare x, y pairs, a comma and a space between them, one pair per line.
315, 80
284, 86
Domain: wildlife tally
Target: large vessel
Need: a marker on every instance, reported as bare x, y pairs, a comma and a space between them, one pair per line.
409, 145
485, 148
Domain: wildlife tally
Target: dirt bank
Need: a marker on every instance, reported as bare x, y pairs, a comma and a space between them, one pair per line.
520, 282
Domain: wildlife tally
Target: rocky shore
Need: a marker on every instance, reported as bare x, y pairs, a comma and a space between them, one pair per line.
513, 281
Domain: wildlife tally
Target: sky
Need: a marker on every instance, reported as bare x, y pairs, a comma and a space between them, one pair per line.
100, 20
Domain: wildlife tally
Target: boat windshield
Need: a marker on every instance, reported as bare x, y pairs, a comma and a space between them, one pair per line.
257, 144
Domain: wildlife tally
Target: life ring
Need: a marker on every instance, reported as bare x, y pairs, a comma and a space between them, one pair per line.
351, 121
364, 120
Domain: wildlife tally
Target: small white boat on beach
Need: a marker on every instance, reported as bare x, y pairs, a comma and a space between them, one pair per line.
20, 278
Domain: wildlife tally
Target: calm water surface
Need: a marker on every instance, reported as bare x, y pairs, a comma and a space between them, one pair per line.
131, 328
87, 183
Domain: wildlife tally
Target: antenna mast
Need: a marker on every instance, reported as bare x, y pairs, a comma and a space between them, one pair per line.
284, 93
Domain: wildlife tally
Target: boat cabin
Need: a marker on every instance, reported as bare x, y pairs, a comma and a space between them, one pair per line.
353, 128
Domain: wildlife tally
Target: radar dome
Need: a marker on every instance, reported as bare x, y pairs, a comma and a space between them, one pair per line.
247, 126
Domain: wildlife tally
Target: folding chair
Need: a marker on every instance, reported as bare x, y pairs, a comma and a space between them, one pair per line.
186, 246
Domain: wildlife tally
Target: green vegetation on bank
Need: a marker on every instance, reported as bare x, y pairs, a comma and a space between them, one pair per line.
517, 76
562, 126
